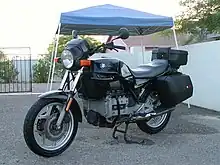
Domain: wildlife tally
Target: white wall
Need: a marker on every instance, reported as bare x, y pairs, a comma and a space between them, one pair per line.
204, 69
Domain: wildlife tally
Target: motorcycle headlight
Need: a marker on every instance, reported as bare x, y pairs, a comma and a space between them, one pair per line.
67, 59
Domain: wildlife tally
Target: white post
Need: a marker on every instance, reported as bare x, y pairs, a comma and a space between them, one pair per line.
57, 42
142, 48
51, 61
177, 46
175, 37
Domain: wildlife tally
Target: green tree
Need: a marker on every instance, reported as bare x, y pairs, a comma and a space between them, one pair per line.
200, 17
2, 55
8, 72
93, 43
42, 67
41, 70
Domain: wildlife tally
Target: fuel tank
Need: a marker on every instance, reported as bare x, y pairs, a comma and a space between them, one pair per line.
106, 65
103, 75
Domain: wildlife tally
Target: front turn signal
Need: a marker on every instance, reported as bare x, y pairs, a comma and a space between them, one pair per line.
57, 60
85, 63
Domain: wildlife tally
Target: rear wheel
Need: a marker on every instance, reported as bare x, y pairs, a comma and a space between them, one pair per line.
40, 132
155, 124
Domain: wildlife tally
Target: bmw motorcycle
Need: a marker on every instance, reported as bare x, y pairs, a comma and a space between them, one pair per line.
110, 94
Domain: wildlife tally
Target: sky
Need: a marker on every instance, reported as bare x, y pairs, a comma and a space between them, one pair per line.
32, 23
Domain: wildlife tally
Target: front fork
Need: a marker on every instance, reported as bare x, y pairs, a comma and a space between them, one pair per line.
70, 96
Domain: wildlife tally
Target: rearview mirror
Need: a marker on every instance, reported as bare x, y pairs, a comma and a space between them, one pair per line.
74, 34
123, 33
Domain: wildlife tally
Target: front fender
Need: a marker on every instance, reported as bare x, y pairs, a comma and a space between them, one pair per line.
55, 94
61, 95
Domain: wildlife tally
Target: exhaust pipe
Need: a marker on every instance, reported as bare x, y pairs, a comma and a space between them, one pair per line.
163, 112
147, 116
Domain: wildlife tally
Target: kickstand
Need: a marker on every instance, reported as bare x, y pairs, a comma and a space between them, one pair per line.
125, 134
115, 129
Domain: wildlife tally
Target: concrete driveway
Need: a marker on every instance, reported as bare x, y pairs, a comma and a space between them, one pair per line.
191, 138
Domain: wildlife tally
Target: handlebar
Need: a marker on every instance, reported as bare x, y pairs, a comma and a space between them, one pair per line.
119, 47
109, 45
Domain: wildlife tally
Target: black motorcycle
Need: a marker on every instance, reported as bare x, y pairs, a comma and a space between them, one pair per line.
111, 94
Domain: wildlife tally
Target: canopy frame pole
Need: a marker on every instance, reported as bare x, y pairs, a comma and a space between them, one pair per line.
175, 37
55, 55
51, 61
140, 32
177, 46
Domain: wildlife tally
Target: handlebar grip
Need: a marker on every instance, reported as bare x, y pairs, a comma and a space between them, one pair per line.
119, 47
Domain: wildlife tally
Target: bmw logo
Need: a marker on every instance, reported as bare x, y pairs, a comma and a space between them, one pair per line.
102, 65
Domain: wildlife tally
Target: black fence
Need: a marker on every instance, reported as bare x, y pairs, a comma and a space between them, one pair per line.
15, 70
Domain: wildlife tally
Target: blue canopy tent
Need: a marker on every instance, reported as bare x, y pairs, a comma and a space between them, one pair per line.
108, 19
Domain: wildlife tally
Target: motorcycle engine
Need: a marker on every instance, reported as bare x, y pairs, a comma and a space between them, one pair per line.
98, 112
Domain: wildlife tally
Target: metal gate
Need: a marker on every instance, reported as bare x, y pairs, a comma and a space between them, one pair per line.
15, 69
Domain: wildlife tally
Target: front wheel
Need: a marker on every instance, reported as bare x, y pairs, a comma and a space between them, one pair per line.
40, 132
154, 125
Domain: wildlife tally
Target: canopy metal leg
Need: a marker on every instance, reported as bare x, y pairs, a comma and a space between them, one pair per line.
57, 41
51, 62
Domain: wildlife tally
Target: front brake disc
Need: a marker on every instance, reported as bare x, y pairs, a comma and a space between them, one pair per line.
51, 131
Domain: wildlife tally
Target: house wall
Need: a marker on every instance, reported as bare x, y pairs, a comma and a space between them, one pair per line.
156, 39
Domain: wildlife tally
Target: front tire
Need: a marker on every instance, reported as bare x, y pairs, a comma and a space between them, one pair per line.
29, 125
154, 129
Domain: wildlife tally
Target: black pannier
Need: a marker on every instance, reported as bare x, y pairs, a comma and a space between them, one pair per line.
174, 89
175, 57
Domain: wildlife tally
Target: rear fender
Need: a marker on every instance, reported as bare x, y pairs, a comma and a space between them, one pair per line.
61, 95
148, 89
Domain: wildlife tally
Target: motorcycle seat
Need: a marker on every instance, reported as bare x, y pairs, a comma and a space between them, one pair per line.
150, 70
